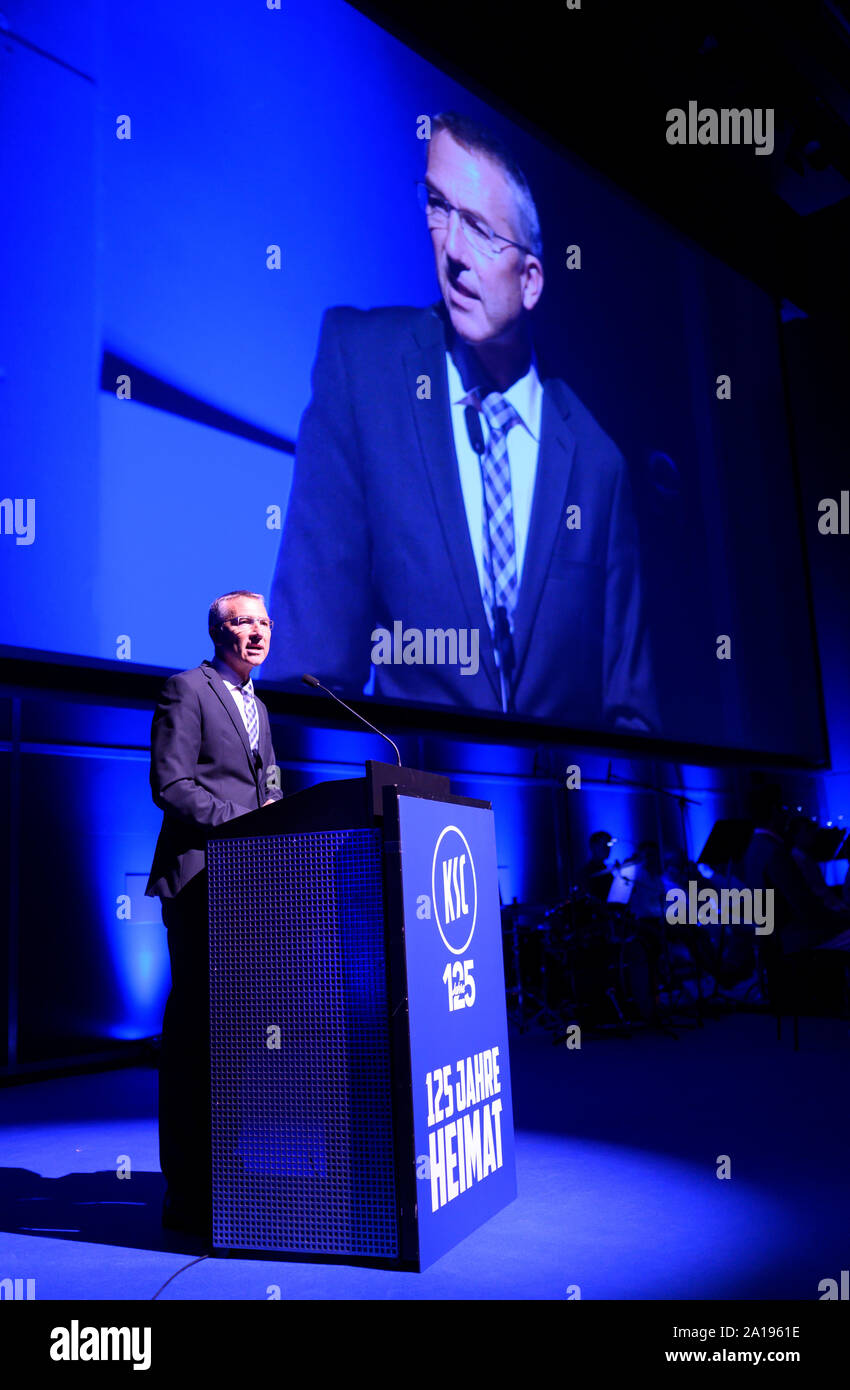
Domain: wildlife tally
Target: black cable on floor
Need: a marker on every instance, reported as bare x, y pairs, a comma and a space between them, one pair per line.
176, 1272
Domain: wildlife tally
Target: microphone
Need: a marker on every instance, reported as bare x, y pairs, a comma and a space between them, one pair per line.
502, 637
473, 429
504, 640
317, 685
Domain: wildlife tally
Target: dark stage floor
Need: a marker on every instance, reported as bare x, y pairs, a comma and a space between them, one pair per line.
617, 1152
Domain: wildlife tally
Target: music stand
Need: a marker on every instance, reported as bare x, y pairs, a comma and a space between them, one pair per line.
727, 842
623, 881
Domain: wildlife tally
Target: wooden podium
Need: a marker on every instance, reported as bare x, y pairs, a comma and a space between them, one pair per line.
361, 1102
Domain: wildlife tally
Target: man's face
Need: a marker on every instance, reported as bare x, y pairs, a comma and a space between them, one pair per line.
247, 643
484, 296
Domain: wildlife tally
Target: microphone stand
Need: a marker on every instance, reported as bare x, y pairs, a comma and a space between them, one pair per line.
679, 797
317, 685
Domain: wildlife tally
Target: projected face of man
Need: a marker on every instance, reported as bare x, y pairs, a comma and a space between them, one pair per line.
244, 646
485, 296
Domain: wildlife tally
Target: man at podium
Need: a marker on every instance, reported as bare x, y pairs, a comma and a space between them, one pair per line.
212, 759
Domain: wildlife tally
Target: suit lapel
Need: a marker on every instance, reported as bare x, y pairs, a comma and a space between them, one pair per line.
227, 700
434, 427
548, 511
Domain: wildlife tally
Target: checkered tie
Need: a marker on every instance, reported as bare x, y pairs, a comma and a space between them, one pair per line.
498, 509
250, 704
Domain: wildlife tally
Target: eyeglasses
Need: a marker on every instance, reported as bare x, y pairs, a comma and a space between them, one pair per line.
244, 621
480, 237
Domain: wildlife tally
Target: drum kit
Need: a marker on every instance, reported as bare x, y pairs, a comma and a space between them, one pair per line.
592, 962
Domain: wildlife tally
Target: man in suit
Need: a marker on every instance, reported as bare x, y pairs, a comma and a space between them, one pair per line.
212, 759
440, 485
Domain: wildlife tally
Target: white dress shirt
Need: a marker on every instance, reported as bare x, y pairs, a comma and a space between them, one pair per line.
231, 680
523, 444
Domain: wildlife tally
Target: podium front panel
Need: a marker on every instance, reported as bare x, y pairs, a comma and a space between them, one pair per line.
459, 1062
302, 1126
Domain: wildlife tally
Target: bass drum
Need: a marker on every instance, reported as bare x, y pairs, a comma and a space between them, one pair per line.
608, 982
634, 976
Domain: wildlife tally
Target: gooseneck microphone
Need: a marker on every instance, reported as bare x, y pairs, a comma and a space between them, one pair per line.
473, 429
503, 641
317, 685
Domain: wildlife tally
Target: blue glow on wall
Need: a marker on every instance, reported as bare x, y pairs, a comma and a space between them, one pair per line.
123, 824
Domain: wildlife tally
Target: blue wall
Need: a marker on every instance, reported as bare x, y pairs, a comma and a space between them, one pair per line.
93, 958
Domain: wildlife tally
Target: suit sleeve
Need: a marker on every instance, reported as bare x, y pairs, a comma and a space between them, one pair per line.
321, 597
175, 746
629, 694
271, 771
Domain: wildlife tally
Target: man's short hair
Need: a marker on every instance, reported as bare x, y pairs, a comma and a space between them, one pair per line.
477, 138
215, 619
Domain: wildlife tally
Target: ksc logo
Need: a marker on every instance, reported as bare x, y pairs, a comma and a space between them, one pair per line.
454, 891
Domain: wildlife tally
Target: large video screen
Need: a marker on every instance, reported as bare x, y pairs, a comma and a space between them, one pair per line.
485, 433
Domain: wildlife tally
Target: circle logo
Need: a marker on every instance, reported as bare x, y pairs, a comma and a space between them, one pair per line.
454, 889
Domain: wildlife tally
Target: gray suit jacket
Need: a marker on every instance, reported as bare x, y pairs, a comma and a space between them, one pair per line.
203, 772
